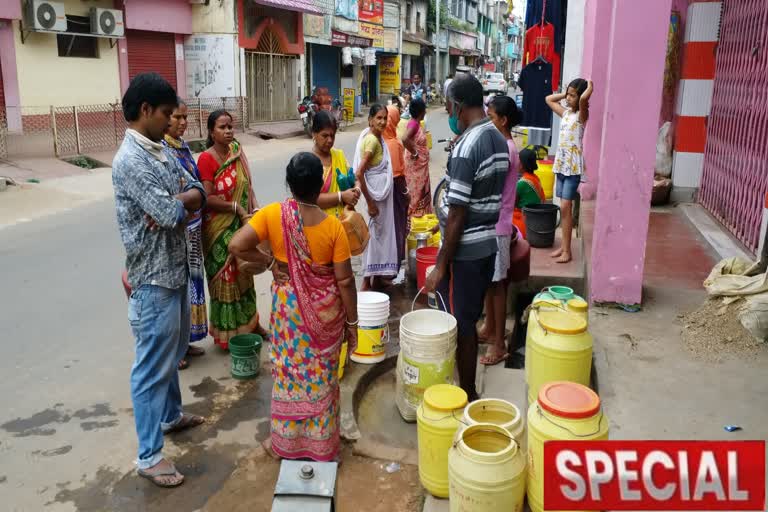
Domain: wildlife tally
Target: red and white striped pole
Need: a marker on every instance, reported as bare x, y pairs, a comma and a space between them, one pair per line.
694, 99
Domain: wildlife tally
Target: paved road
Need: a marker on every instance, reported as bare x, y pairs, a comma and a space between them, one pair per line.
66, 430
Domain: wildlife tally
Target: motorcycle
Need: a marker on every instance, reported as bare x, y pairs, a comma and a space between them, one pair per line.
307, 111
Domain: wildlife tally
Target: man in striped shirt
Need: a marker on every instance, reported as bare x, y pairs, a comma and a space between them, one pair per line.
468, 214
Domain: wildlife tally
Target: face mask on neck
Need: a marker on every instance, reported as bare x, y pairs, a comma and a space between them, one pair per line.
453, 120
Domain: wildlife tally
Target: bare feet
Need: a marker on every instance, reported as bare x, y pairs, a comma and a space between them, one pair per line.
163, 474
557, 253
565, 258
267, 445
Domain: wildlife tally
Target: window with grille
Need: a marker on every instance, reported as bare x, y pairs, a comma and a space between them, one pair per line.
72, 45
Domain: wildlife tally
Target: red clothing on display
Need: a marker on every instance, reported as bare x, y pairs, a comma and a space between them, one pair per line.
540, 40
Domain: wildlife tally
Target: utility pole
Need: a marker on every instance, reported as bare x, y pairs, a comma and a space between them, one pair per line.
438, 77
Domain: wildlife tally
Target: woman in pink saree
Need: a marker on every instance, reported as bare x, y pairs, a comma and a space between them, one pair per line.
314, 309
417, 162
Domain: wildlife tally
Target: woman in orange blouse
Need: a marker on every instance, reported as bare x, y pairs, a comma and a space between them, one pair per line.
400, 188
312, 312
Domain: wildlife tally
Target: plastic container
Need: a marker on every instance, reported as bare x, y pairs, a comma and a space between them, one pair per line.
559, 348
541, 221
439, 417
425, 257
547, 177
562, 297
372, 329
498, 412
427, 357
244, 351
486, 471
563, 411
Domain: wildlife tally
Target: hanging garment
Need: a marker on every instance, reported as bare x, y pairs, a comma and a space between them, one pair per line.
553, 13
535, 82
539, 42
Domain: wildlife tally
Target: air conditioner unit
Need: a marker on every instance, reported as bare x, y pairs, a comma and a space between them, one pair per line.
43, 15
107, 22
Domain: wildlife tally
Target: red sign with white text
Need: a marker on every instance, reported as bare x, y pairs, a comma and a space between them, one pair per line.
654, 475
371, 11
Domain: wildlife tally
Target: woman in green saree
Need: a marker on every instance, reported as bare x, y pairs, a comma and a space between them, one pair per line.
227, 181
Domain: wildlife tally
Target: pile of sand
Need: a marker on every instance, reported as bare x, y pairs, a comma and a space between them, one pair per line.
713, 333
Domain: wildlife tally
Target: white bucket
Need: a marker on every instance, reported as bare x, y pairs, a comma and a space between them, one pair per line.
372, 329
427, 357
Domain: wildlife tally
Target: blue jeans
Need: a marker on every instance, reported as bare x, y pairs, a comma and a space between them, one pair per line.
160, 321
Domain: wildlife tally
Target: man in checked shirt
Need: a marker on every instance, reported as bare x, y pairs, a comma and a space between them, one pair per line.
153, 197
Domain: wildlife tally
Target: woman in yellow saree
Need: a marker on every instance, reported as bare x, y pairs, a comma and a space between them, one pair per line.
227, 180
332, 198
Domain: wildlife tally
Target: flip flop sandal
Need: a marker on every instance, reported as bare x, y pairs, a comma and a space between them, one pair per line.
183, 364
155, 477
193, 351
186, 422
489, 361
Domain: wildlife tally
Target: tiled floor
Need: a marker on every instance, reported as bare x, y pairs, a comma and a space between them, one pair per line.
676, 254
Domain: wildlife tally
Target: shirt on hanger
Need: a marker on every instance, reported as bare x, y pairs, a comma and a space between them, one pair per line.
539, 41
536, 84
553, 13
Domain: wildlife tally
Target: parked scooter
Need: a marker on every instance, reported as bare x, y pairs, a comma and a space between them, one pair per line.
307, 111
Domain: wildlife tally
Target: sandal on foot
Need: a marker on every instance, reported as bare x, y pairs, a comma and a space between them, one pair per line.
183, 364
157, 477
194, 351
491, 361
186, 422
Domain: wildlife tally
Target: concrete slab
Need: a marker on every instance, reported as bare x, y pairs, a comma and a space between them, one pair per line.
721, 241
506, 384
545, 272
432, 504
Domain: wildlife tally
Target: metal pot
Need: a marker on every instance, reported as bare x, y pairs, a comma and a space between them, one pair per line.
422, 240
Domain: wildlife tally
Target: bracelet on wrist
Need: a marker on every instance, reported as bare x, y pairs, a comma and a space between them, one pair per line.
352, 324
271, 264
340, 201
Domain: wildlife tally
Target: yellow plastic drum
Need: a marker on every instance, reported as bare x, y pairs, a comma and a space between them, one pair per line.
558, 348
437, 419
342, 359
564, 411
547, 177
486, 470
498, 412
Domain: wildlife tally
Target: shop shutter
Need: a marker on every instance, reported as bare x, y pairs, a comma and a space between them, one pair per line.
325, 68
152, 52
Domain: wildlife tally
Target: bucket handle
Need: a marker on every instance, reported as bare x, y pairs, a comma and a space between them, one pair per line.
574, 434
413, 304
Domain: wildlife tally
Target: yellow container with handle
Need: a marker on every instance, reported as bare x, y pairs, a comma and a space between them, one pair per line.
558, 348
564, 411
437, 420
486, 470
547, 177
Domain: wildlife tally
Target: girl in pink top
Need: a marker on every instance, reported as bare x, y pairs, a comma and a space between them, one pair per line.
505, 115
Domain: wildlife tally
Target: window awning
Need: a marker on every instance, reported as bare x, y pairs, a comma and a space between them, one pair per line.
306, 6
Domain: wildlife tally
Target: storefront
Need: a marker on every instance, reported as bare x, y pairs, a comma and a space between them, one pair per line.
462, 49
354, 72
323, 60
154, 41
272, 35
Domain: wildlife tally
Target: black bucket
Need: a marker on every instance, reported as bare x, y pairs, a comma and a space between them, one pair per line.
541, 221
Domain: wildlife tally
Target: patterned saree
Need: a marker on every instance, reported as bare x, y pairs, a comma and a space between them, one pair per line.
233, 298
307, 329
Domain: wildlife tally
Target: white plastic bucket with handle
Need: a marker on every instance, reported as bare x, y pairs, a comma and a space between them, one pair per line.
372, 329
427, 356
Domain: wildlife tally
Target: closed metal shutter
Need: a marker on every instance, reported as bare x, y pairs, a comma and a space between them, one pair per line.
151, 52
325, 68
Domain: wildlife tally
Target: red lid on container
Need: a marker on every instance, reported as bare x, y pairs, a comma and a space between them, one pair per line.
569, 400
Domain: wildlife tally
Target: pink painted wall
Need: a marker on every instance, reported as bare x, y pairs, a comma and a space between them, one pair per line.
634, 65
10, 9
122, 63
181, 67
597, 25
173, 16
10, 76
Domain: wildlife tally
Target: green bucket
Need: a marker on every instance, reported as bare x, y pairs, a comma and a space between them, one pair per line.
244, 350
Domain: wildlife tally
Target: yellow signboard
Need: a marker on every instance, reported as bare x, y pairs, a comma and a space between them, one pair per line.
373, 32
389, 74
349, 104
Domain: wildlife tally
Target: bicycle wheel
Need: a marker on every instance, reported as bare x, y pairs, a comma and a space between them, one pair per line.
342, 121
